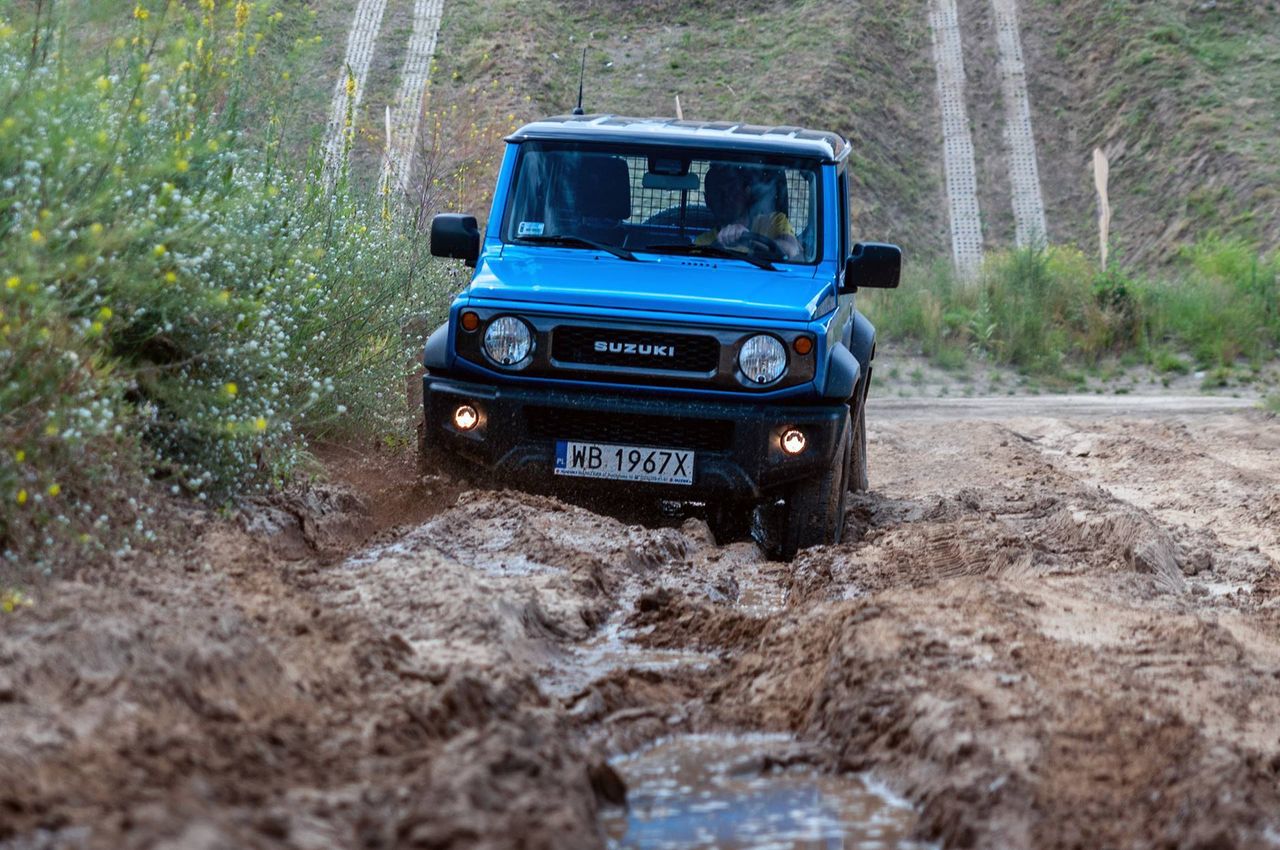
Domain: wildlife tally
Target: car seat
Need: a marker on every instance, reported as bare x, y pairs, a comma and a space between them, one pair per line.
601, 190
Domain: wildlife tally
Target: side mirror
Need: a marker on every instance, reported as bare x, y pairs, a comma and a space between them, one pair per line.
872, 264
456, 236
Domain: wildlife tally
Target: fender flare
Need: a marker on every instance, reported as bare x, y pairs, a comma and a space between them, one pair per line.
843, 372
435, 354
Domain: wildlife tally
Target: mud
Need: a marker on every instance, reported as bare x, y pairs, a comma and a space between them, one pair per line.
1045, 630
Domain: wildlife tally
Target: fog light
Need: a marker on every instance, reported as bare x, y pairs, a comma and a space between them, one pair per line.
793, 441
465, 418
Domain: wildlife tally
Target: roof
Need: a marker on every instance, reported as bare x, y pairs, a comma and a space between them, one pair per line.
796, 141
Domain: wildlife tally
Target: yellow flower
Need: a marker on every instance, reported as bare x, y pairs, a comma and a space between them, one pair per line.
13, 282
105, 313
351, 84
54, 489
51, 430
11, 600
224, 297
140, 13
242, 14
22, 497
159, 250
170, 277
19, 456
37, 237
103, 84
144, 68
260, 424
182, 165
103, 137
230, 388
96, 328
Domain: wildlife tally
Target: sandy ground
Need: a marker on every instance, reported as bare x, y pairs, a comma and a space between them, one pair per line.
1054, 626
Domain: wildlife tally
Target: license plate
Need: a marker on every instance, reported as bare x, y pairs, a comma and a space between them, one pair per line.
624, 463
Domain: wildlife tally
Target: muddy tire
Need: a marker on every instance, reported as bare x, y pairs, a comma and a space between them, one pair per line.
428, 458
858, 482
731, 521
814, 511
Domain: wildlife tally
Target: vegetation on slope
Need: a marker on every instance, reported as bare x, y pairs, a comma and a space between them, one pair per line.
178, 301
1184, 96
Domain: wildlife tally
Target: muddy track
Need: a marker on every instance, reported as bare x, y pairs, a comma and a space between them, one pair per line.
1045, 632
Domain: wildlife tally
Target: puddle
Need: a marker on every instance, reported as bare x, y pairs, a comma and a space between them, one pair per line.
1218, 589
702, 791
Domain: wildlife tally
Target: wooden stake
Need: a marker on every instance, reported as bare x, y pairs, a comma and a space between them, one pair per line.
1101, 173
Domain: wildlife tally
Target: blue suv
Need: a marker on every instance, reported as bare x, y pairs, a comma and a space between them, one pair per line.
665, 308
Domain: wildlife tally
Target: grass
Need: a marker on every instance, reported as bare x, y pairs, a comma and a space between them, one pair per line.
182, 301
1187, 97
1050, 312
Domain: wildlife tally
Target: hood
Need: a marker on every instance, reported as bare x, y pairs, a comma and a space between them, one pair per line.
697, 285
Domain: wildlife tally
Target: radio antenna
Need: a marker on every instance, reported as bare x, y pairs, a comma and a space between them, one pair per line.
582, 72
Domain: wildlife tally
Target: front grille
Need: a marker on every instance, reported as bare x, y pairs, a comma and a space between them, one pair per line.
553, 423
636, 349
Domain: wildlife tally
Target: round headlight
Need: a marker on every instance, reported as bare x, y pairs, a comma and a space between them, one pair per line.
762, 359
508, 341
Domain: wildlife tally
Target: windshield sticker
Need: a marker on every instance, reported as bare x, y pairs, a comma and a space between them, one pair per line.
530, 228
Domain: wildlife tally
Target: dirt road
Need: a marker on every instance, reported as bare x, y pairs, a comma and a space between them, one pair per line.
1055, 630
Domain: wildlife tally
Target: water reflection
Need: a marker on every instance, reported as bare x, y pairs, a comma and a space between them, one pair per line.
713, 791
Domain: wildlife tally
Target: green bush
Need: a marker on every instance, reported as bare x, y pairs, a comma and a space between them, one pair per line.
178, 299
1041, 309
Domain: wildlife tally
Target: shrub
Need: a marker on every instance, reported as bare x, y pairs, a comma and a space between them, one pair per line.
177, 299
1039, 309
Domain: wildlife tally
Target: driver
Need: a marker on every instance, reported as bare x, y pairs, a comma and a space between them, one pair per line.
742, 206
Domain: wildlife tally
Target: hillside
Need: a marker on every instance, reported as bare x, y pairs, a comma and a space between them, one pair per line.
1182, 96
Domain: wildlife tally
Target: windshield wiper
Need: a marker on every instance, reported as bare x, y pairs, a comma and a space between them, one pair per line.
711, 251
567, 240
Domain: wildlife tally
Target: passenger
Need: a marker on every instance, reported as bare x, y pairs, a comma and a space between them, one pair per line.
741, 206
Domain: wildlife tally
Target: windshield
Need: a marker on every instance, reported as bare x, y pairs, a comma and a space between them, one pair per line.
664, 200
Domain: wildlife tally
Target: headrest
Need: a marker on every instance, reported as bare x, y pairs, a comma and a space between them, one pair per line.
602, 187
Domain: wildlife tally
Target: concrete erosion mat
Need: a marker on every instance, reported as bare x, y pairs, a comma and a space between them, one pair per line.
1044, 632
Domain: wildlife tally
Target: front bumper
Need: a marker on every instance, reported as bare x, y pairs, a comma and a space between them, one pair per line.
736, 444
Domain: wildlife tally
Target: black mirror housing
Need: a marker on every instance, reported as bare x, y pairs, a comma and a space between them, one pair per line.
872, 264
456, 236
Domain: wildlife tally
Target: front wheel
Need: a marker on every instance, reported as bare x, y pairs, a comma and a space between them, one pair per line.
814, 509
731, 521
858, 482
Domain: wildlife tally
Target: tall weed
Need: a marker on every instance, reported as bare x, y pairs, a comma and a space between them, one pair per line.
1042, 309
178, 299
